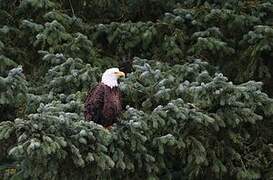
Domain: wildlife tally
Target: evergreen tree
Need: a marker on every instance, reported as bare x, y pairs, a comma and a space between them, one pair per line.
182, 120
195, 107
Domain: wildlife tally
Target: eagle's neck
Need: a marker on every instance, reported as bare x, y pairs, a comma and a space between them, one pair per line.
111, 82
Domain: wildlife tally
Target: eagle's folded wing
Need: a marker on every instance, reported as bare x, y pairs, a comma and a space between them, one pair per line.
94, 103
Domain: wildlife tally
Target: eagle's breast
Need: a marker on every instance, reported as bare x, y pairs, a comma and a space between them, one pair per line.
112, 105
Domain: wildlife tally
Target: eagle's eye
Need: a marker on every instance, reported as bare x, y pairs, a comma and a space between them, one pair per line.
119, 74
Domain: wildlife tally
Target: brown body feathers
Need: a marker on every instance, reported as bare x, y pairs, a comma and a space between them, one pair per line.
103, 105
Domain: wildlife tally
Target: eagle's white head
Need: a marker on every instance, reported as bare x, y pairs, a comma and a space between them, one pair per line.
110, 77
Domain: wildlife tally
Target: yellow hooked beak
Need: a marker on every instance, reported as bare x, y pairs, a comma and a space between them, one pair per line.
120, 74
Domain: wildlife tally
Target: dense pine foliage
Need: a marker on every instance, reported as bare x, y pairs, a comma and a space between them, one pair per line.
197, 96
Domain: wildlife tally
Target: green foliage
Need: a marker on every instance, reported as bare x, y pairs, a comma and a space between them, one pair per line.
209, 44
13, 97
70, 75
183, 118
192, 123
35, 5
6, 63
140, 39
128, 36
13, 87
258, 47
52, 36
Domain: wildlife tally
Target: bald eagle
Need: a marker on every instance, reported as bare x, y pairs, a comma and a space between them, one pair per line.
103, 102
